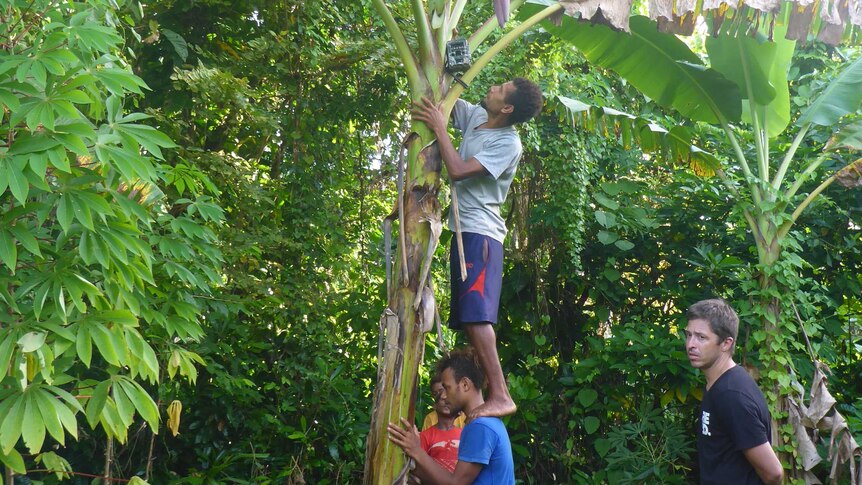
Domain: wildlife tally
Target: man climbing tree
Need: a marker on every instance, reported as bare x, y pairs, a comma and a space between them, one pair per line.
481, 170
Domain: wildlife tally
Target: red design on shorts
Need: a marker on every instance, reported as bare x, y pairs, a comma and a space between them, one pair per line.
479, 285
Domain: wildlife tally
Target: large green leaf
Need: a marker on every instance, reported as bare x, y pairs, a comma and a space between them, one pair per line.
746, 62
48, 408
142, 401
8, 251
99, 396
848, 136
33, 426
10, 426
674, 145
842, 96
125, 405
7, 347
659, 65
759, 68
13, 460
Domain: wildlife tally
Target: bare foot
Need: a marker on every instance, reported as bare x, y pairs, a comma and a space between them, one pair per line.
494, 407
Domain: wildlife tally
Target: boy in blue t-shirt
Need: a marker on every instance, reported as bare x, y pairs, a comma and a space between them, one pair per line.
485, 453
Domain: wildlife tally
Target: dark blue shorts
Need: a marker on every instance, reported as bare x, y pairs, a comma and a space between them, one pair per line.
476, 300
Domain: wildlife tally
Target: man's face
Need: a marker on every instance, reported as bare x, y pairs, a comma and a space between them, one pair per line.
440, 404
702, 344
495, 100
453, 394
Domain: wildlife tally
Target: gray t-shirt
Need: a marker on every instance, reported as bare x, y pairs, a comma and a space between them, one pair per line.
498, 150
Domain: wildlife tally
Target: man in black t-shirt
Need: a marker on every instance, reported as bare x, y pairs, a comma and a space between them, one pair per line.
734, 433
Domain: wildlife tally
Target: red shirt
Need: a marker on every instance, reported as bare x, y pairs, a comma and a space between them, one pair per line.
442, 445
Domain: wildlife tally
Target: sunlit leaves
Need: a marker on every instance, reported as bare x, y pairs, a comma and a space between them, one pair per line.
848, 136
673, 145
759, 68
113, 403
659, 65
83, 280
32, 413
841, 96
13, 460
147, 136
183, 361
52, 461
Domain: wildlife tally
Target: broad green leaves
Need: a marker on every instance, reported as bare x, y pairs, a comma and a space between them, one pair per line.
759, 68
33, 413
659, 65
114, 402
842, 96
674, 145
13, 460
848, 136
86, 287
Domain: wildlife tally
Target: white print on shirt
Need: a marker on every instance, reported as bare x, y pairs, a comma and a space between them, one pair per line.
704, 424
446, 444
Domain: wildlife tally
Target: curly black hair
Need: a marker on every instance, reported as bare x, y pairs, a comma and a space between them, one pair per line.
526, 100
464, 363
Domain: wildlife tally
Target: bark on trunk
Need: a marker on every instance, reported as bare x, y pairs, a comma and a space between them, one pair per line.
404, 323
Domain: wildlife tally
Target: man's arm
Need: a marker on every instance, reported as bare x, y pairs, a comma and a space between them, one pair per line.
765, 463
426, 468
458, 168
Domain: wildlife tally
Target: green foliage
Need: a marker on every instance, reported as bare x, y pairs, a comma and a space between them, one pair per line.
759, 71
653, 449
99, 265
659, 65
759, 67
840, 97
280, 114
288, 111
673, 145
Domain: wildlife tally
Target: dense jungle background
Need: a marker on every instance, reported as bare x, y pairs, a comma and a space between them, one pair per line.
192, 197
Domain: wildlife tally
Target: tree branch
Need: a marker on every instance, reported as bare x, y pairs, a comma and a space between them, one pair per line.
80, 474
727, 182
489, 26
455, 91
457, 10
401, 45
423, 34
804, 176
740, 157
788, 157
805, 203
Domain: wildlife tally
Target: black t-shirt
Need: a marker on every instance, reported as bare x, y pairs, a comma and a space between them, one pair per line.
734, 418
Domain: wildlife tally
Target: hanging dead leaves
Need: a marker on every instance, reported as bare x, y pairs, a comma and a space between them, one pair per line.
831, 21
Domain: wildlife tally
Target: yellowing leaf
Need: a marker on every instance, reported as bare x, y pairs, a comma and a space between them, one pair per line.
175, 408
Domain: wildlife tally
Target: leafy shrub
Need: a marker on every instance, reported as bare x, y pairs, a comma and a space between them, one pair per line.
655, 448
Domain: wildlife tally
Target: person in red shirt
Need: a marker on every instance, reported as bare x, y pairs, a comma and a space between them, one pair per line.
441, 440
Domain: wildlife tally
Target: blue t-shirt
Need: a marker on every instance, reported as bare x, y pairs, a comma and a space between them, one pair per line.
485, 441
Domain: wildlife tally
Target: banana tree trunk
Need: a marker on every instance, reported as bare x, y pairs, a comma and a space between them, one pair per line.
412, 307
773, 352
409, 315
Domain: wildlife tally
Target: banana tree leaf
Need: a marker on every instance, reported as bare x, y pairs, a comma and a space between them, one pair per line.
746, 62
659, 65
842, 96
759, 68
849, 136
672, 145
778, 111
